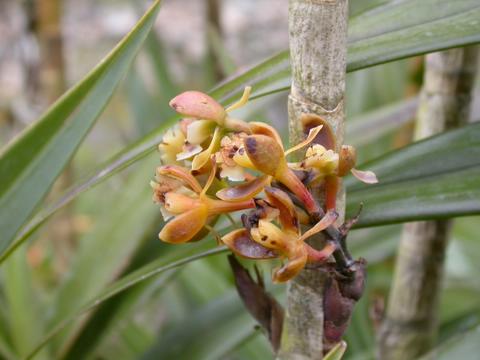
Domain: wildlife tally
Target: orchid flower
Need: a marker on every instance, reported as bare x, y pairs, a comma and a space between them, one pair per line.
210, 118
266, 240
191, 209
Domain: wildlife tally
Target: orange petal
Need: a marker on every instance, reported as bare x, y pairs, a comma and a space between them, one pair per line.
293, 183
244, 191
185, 226
312, 134
261, 128
292, 267
265, 153
367, 177
329, 218
176, 203
331, 189
280, 200
240, 243
223, 207
198, 105
347, 160
182, 174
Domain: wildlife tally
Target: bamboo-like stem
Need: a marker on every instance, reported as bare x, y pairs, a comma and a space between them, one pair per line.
410, 326
318, 32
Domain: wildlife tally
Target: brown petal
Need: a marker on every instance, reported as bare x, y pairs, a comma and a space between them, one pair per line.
326, 137
244, 191
263, 306
185, 226
240, 243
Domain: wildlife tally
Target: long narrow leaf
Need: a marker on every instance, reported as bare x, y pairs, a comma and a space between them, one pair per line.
434, 178
184, 255
30, 164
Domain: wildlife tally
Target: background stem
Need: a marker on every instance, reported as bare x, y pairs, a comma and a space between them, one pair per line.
410, 326
318, 31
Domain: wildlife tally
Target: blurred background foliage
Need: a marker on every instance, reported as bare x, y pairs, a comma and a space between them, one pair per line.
110, 231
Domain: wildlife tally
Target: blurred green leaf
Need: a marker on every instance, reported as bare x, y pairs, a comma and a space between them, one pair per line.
273, 74
368, 127
30, 164
402, 28
104, 318
434, 178
181, 256
105, 251
462, 346
26, 322
211, 332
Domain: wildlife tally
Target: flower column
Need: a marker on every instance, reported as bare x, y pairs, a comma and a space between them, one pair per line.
318, 33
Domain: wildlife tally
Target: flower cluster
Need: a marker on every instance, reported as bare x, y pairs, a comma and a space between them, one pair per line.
214, 164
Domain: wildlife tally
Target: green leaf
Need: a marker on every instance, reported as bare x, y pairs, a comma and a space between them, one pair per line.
104, 252
368, 127
462, 346
184, 255
434, 178
370, 43
30, 164
26, 322
403, 28
208, 333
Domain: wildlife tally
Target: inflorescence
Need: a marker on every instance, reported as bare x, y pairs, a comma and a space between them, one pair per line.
215, 164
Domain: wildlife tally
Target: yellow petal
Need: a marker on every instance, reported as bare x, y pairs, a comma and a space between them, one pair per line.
271, 237
312, 134
202, 159
243, 100
198, 131
185, 226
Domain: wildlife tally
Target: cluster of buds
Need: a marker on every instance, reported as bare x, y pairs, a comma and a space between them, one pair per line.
214, 164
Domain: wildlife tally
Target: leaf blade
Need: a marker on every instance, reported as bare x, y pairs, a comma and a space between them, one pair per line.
30, 164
